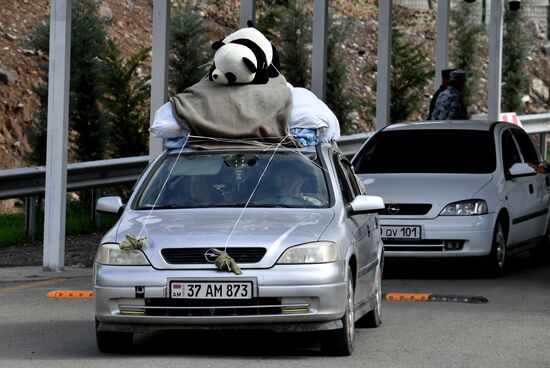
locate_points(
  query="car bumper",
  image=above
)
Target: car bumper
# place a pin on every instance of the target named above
(286, 297)
(440, 236)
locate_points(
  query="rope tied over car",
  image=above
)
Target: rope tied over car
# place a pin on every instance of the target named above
(225, 262)
(133, 242)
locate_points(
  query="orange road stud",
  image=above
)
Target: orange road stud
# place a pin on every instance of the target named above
(70, 294)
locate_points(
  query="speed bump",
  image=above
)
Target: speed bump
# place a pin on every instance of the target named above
(426, 297)
(70, 294)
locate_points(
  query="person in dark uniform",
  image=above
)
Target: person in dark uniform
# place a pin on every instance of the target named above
(445, 79)
(450, 103)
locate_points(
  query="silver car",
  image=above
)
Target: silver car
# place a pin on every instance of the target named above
(458, 189)
(302, 236)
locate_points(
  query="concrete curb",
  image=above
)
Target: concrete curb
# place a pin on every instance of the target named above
(33, 273)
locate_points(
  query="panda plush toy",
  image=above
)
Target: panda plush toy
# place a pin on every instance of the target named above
(245, 56)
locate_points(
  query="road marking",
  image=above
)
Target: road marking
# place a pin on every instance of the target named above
(33, 284)
(70, 294)
(426, 297)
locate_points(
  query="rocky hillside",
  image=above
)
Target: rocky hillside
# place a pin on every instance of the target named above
(132, 26)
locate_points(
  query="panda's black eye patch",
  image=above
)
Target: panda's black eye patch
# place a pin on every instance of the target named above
(231, 78)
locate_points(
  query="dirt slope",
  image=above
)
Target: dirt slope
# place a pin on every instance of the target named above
(132, 27)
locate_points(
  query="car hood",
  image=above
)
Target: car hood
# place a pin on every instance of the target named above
(273, 229)
(435, 189)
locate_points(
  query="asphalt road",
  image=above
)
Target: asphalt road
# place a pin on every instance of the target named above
(511, 330)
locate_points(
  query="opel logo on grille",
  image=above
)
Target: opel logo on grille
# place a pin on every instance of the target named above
(210, 255)
(393, 209)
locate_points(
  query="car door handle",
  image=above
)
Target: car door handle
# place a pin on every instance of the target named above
(530, 188)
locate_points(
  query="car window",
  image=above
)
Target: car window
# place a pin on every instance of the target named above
(526, 147)
(510, 153)
(347, 179)
(428, 151)
(256, 179)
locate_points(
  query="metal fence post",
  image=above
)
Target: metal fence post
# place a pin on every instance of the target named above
(96, 193)
(30, 217)
(543, 146)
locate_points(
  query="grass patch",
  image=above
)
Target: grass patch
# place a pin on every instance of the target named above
(78, 221)
(12, 228)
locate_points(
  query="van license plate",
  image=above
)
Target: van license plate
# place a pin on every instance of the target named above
(210, 290)
(400, 232)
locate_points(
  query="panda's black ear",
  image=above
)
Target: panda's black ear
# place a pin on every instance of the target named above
(250, 23)
(216, 45)
(211, 70)
(250, 65)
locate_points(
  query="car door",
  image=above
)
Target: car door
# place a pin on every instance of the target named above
(361, 226)
(516, 191)
(538, 186)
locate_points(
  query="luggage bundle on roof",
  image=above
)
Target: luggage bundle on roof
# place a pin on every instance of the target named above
(244, 97)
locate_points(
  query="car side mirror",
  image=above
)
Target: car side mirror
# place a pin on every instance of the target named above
(110, 205)
(520, 169)
(366, 204)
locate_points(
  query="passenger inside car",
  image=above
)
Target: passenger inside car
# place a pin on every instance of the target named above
(288, 180)
(190, 191)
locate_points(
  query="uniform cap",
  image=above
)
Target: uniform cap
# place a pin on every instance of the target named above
(458, 74)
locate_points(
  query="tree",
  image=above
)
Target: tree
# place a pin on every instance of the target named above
(188, 47)
(296, 35)
(338, 98)
(514, 53)
(37, 131)
(468, 35)
(86, 120)
(126, 101)
(410, 72)
(88, 39)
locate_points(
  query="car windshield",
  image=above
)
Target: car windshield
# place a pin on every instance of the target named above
(428, 151)
(261, 179)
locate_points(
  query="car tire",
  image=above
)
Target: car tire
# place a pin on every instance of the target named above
(498, 257)
(541, 253)
(113, 341)
(340, 342)
(373, 318)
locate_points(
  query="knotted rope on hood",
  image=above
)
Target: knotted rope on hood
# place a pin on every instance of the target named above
(225, 262)
(133, 242)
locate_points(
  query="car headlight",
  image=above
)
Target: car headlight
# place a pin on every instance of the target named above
(317, 252)
(465, 208)
(111, 254)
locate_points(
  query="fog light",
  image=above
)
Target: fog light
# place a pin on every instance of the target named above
(454, 244)
(135, 312)
(290, 310)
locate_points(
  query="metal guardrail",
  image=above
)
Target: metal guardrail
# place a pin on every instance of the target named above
(17, 183)
(24, 182)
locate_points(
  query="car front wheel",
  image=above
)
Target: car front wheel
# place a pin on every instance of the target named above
(340, 342)
(113, 341)
(497, 259)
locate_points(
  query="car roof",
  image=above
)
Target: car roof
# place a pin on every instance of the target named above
(447, 124)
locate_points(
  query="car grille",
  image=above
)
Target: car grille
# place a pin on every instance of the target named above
(196, 255)
(426, 245)
(400, 209)
(213, 308)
